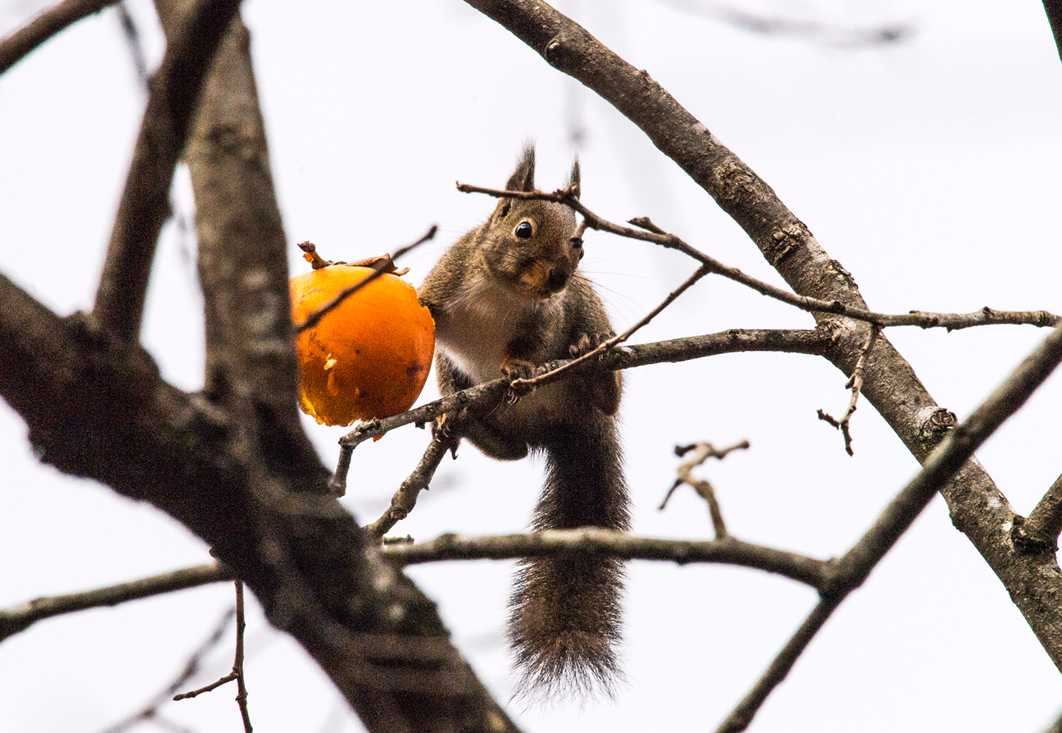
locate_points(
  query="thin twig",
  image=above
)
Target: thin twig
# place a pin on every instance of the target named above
(19, 618)
(405, 497)
(150, 711)
(811, 30)
(382, 267)
(1039, 533)
(144, 205)
(53, 20)
(237, 673)
(849, 572)
(855, 384)
(225, 679)
(521, 386)
(649, 232)
(701, 453)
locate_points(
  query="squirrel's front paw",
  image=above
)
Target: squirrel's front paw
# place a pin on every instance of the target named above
(513, 369)
(588, 342)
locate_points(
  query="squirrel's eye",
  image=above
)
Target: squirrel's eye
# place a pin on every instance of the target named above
(524, 230)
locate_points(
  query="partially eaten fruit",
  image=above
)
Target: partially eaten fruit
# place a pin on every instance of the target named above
(367, 358)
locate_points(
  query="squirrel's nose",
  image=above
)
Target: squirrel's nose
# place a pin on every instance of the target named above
(558, 277)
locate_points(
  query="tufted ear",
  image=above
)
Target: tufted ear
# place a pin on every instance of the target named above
(573, 182)
(523, 178)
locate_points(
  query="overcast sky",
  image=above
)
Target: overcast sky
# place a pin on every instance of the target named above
(928, 168)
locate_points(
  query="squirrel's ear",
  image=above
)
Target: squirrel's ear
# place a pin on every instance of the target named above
(523, 178)
(573, 182)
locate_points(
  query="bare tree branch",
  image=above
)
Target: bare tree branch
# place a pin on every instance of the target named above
(450, 547)
(674, 350)
(145, 199)
(99, 409)
(19, 618)
(849, 572)
(1039, 533)
(768, 25)
(649, 232)
(52, 21)
(252, 375)
(617, 544)
(978, 508)
(524, 385)
(237, 673)
(405, 498)
(701, 453)
(855, 384)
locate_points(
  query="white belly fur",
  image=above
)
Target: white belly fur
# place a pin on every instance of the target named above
(477, 333)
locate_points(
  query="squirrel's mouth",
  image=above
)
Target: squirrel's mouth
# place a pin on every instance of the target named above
(543, 280)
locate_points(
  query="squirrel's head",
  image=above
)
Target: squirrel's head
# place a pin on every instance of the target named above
(533, 244)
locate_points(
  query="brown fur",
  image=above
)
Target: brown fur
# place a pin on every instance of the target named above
(503, 303)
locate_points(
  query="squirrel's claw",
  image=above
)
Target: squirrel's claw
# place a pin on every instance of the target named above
(588, 342)
(513, 369)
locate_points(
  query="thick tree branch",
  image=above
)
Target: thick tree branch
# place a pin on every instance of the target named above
(311, 546)
(849, 572)
(145, 199)
(977, 507)
(99, 409)
(52, 21)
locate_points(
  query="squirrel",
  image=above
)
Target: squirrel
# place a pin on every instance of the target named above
(506, 298)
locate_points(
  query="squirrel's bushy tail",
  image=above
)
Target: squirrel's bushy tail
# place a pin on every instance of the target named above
(565, 611)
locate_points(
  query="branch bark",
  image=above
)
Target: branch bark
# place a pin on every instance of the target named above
(21, 617)
(849, 572)
(1039, 533)
(977, 507)
(144, 205)
(449, 547)
(650, 232)
(14, 47)
(99, 409)
(796, 341)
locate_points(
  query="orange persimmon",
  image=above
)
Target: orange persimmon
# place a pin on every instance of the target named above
(367, 358)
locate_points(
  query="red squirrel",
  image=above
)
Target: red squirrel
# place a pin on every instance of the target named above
(507, 297)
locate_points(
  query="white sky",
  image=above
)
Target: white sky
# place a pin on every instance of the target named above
(929, 169)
